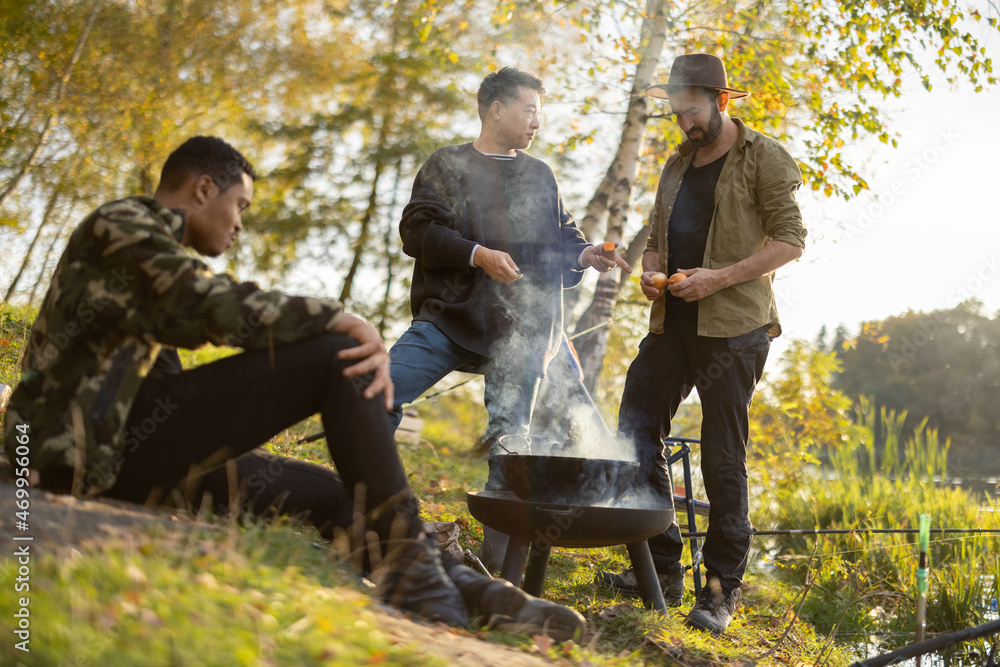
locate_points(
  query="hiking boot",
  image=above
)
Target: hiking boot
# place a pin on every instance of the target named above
(413, 578)
(714, 608)
(626, 585)
(499, 605)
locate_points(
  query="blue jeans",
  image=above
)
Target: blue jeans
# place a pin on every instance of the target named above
(423, 355)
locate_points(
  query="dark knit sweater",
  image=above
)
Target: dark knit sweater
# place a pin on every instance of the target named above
(462, 197)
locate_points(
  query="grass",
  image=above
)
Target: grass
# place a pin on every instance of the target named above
(250, 594)
(621, 627)
(186, 596)
(15, 322)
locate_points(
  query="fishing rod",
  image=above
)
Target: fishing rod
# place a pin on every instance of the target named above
(931, 645)
(876, 531)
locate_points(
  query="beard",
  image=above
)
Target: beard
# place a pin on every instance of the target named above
(711, 133)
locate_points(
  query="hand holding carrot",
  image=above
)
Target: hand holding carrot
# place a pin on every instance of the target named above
(604, 257)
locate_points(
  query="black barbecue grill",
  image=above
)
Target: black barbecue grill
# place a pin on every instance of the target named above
(535, 527)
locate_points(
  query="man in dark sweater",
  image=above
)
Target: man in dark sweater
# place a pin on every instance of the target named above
(494, 247)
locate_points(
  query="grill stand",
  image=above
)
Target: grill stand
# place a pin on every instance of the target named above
(535, 529)
(521, 552)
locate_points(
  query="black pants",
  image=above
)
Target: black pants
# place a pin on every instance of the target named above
(725, 371)
(183, 428)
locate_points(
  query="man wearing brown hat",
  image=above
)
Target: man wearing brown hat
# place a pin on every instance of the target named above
(726, 217)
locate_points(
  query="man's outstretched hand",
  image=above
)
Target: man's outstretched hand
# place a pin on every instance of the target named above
(604, 257)
(372, 354)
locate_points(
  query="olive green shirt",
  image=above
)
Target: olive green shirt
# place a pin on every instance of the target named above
(754, 204)
(124, 288)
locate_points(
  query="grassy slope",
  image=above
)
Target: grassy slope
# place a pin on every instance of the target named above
(261, 596)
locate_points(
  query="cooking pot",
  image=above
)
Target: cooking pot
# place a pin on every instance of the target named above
(567, 479)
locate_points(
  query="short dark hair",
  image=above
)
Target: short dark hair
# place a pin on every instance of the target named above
(205, 155)
(505, 85)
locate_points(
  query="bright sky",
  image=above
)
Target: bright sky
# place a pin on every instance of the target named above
(927, 234)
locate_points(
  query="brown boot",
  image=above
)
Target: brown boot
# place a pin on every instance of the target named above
(414, 579)
(499, 605)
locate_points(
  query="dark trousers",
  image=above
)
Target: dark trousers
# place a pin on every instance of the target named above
(184, 427)
(725, 371)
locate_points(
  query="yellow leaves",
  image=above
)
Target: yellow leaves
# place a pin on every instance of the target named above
(503, 13)
(871, 332)
(453, 57)
(463, 25)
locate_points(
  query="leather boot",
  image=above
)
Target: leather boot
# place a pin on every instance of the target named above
(499, 605)
(414, 579)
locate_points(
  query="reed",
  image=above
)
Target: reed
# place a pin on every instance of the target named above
(865, 585)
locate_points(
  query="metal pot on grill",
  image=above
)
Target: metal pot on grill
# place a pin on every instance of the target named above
(561, 479)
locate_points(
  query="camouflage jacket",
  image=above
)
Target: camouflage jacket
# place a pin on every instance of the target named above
(124, 288)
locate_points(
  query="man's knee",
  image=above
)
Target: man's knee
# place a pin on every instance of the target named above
(324, 351)
(333, 343)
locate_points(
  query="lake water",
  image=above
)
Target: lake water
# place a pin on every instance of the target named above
(985, 487)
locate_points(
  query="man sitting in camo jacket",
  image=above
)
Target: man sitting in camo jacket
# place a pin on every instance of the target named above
(107, 410)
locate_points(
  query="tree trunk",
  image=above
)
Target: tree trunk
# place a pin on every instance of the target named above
(634, 250)
(384, 86)
(598, 315)
(47, 128)
(590, 346)
(390, 256)
(31, 246)
(615, 192)
(44, 270)
(366, 222)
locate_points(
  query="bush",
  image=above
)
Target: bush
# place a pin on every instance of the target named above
(863, 583)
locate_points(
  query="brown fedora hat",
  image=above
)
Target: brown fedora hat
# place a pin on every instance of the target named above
(696, 69)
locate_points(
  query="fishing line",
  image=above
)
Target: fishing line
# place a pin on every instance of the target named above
(595, 327)
(881, 546)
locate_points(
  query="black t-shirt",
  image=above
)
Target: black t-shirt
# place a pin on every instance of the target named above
(687, 230)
